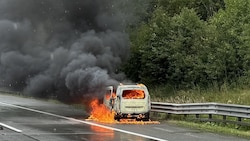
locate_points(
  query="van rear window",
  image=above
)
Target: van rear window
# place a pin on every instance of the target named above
(133, 94)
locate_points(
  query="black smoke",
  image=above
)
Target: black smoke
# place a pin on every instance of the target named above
(62, 48)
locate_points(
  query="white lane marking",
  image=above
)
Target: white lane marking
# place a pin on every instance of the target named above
(85, 122)
(9, 127)
(190, 134)
(166, 130)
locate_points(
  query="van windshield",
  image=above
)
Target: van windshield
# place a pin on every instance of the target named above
(133, 94)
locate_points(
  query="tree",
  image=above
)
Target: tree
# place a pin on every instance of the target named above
(204, 8)
(232, 43)
(139, 38)
(177, 46)
(170, 48)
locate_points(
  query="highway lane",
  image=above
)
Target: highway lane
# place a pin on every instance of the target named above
(40, 127)
(40, 120)
(36, 125)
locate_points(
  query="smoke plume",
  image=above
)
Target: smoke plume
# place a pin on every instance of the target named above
(62, 48)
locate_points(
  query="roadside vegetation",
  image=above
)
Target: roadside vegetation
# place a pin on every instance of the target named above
(226, 94)
(194, 51)
(213, 127)
(185, 45)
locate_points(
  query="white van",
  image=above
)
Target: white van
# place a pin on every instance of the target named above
(129, 101)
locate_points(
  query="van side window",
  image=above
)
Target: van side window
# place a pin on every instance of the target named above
(133, 94)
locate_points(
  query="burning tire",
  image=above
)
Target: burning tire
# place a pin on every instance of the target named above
(117, 117)
(144, 117)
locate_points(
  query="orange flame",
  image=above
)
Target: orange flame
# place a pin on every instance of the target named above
(133, 94)
(101, 113)
(108, 95)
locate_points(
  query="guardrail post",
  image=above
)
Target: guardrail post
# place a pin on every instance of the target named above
(224, 121)
(239, 119)
(210, 116)
(224, 117)
(168, 115)
(197, 116)
(185, 116)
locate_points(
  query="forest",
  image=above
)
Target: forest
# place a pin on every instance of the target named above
(188, 44)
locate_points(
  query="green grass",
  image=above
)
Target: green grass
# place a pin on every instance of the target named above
(208, 126)
(214, 127)
(225, 94)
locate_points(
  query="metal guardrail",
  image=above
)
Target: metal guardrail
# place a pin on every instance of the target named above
(232, 110)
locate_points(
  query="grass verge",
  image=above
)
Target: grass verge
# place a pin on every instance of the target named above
(225, 94)
(208, 126)
(213, 127)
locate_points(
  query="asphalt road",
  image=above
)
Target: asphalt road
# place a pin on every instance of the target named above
(25, 119)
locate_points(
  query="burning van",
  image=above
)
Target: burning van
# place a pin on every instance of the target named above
(128, 101)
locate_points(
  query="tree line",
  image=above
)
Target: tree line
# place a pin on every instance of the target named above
(191, 43)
